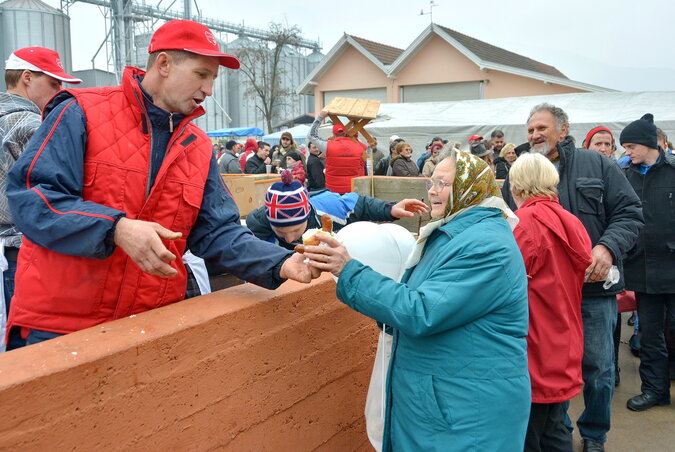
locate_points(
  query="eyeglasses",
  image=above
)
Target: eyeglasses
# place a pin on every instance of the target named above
(438, 184)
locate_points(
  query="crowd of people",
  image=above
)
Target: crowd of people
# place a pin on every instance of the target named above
(507, 309)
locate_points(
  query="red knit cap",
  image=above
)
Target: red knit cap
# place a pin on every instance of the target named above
(589, 136)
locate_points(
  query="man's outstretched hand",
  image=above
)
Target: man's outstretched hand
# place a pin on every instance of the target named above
(296, 269)
(408, 208)
(142, 241)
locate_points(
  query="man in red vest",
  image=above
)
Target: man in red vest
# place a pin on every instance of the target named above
(114, 187)
(344, 156)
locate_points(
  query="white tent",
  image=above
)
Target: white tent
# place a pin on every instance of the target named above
(299, 135)
(417, 123)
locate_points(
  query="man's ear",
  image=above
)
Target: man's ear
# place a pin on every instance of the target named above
(26, 77)
(163, 63)
(564, 130)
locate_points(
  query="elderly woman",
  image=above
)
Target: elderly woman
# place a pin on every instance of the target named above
(458, 375)
(402, 165)
(506, 158)
(557, 251)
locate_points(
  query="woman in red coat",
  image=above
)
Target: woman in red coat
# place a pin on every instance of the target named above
(557, 251)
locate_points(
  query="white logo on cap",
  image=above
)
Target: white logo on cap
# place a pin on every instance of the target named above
(58, 63)
(210, 37)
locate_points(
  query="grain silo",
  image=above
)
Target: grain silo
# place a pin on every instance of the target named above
(27, 23)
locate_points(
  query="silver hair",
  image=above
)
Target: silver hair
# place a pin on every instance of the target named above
(448, 151)
(558, 113)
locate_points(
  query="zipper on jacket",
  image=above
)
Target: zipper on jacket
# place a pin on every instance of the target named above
(170, 122)
(146, 116)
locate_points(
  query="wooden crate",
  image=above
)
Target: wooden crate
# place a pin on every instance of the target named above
(390, 188)
(248, 190)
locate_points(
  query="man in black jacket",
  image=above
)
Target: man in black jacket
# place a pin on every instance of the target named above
(316, 180)
(258, 162)
(649, 265)
(594, 190)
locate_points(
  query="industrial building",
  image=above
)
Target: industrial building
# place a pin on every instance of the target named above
(25, 23)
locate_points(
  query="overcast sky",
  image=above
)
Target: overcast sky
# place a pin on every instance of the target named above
(616, 44)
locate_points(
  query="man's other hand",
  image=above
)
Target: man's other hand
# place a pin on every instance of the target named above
(142, 241)
(296, 269)
(408, 208)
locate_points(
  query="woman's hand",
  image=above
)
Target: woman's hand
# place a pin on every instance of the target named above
(408, 208)
(331, 258)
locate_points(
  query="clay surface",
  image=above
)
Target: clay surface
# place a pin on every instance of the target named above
(239, 369)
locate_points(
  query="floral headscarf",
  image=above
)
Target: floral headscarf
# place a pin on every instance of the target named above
(474, 182)
(474, 186)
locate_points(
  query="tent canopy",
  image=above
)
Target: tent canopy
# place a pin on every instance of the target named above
(299, 135)
(417, 123)
(236, 132)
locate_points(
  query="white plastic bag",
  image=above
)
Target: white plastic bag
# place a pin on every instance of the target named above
(613, 277)
(377, 391)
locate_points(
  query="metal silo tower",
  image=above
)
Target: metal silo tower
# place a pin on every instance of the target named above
(27, 23)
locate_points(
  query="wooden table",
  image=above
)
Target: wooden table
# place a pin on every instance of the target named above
(359, 112)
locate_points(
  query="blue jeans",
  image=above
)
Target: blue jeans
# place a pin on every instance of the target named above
(599, 318)
(15, 340)
(37, 336)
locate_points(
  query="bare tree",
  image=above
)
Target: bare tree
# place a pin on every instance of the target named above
(261, 62)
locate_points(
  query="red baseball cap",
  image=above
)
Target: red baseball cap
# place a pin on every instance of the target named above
(338, 128)
(39, 59)
(191, 37)
(475, 137)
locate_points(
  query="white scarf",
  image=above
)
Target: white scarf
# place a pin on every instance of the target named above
(494, 202)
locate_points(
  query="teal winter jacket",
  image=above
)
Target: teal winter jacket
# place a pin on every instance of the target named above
(458, 378)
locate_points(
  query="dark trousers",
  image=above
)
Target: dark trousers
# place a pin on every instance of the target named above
(654, 310)
(546, 430)
(15, 340)
(617, 341)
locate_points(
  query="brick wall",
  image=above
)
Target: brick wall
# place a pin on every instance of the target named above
(240, 369)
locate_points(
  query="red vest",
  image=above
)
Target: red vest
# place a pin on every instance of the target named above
(344, 162)
(63, 293)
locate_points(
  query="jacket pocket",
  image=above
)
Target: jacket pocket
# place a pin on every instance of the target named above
(670, 245)
(190, 205)
(435, 403)
(590, 195)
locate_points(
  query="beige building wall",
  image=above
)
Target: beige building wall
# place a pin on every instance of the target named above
(503, 84)
(436, 62)
(352, 70)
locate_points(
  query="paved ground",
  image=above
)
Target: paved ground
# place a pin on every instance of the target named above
(651, 430)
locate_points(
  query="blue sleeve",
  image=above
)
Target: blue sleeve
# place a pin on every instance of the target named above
(372, 209)
(219, 237)
(44, 189)
(454, 294)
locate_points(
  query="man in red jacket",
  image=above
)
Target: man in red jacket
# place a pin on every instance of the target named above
(117, 183)
(557, 251)
(344, 156)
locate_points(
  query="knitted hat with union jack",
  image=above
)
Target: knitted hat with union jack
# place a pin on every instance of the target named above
(286, 202)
